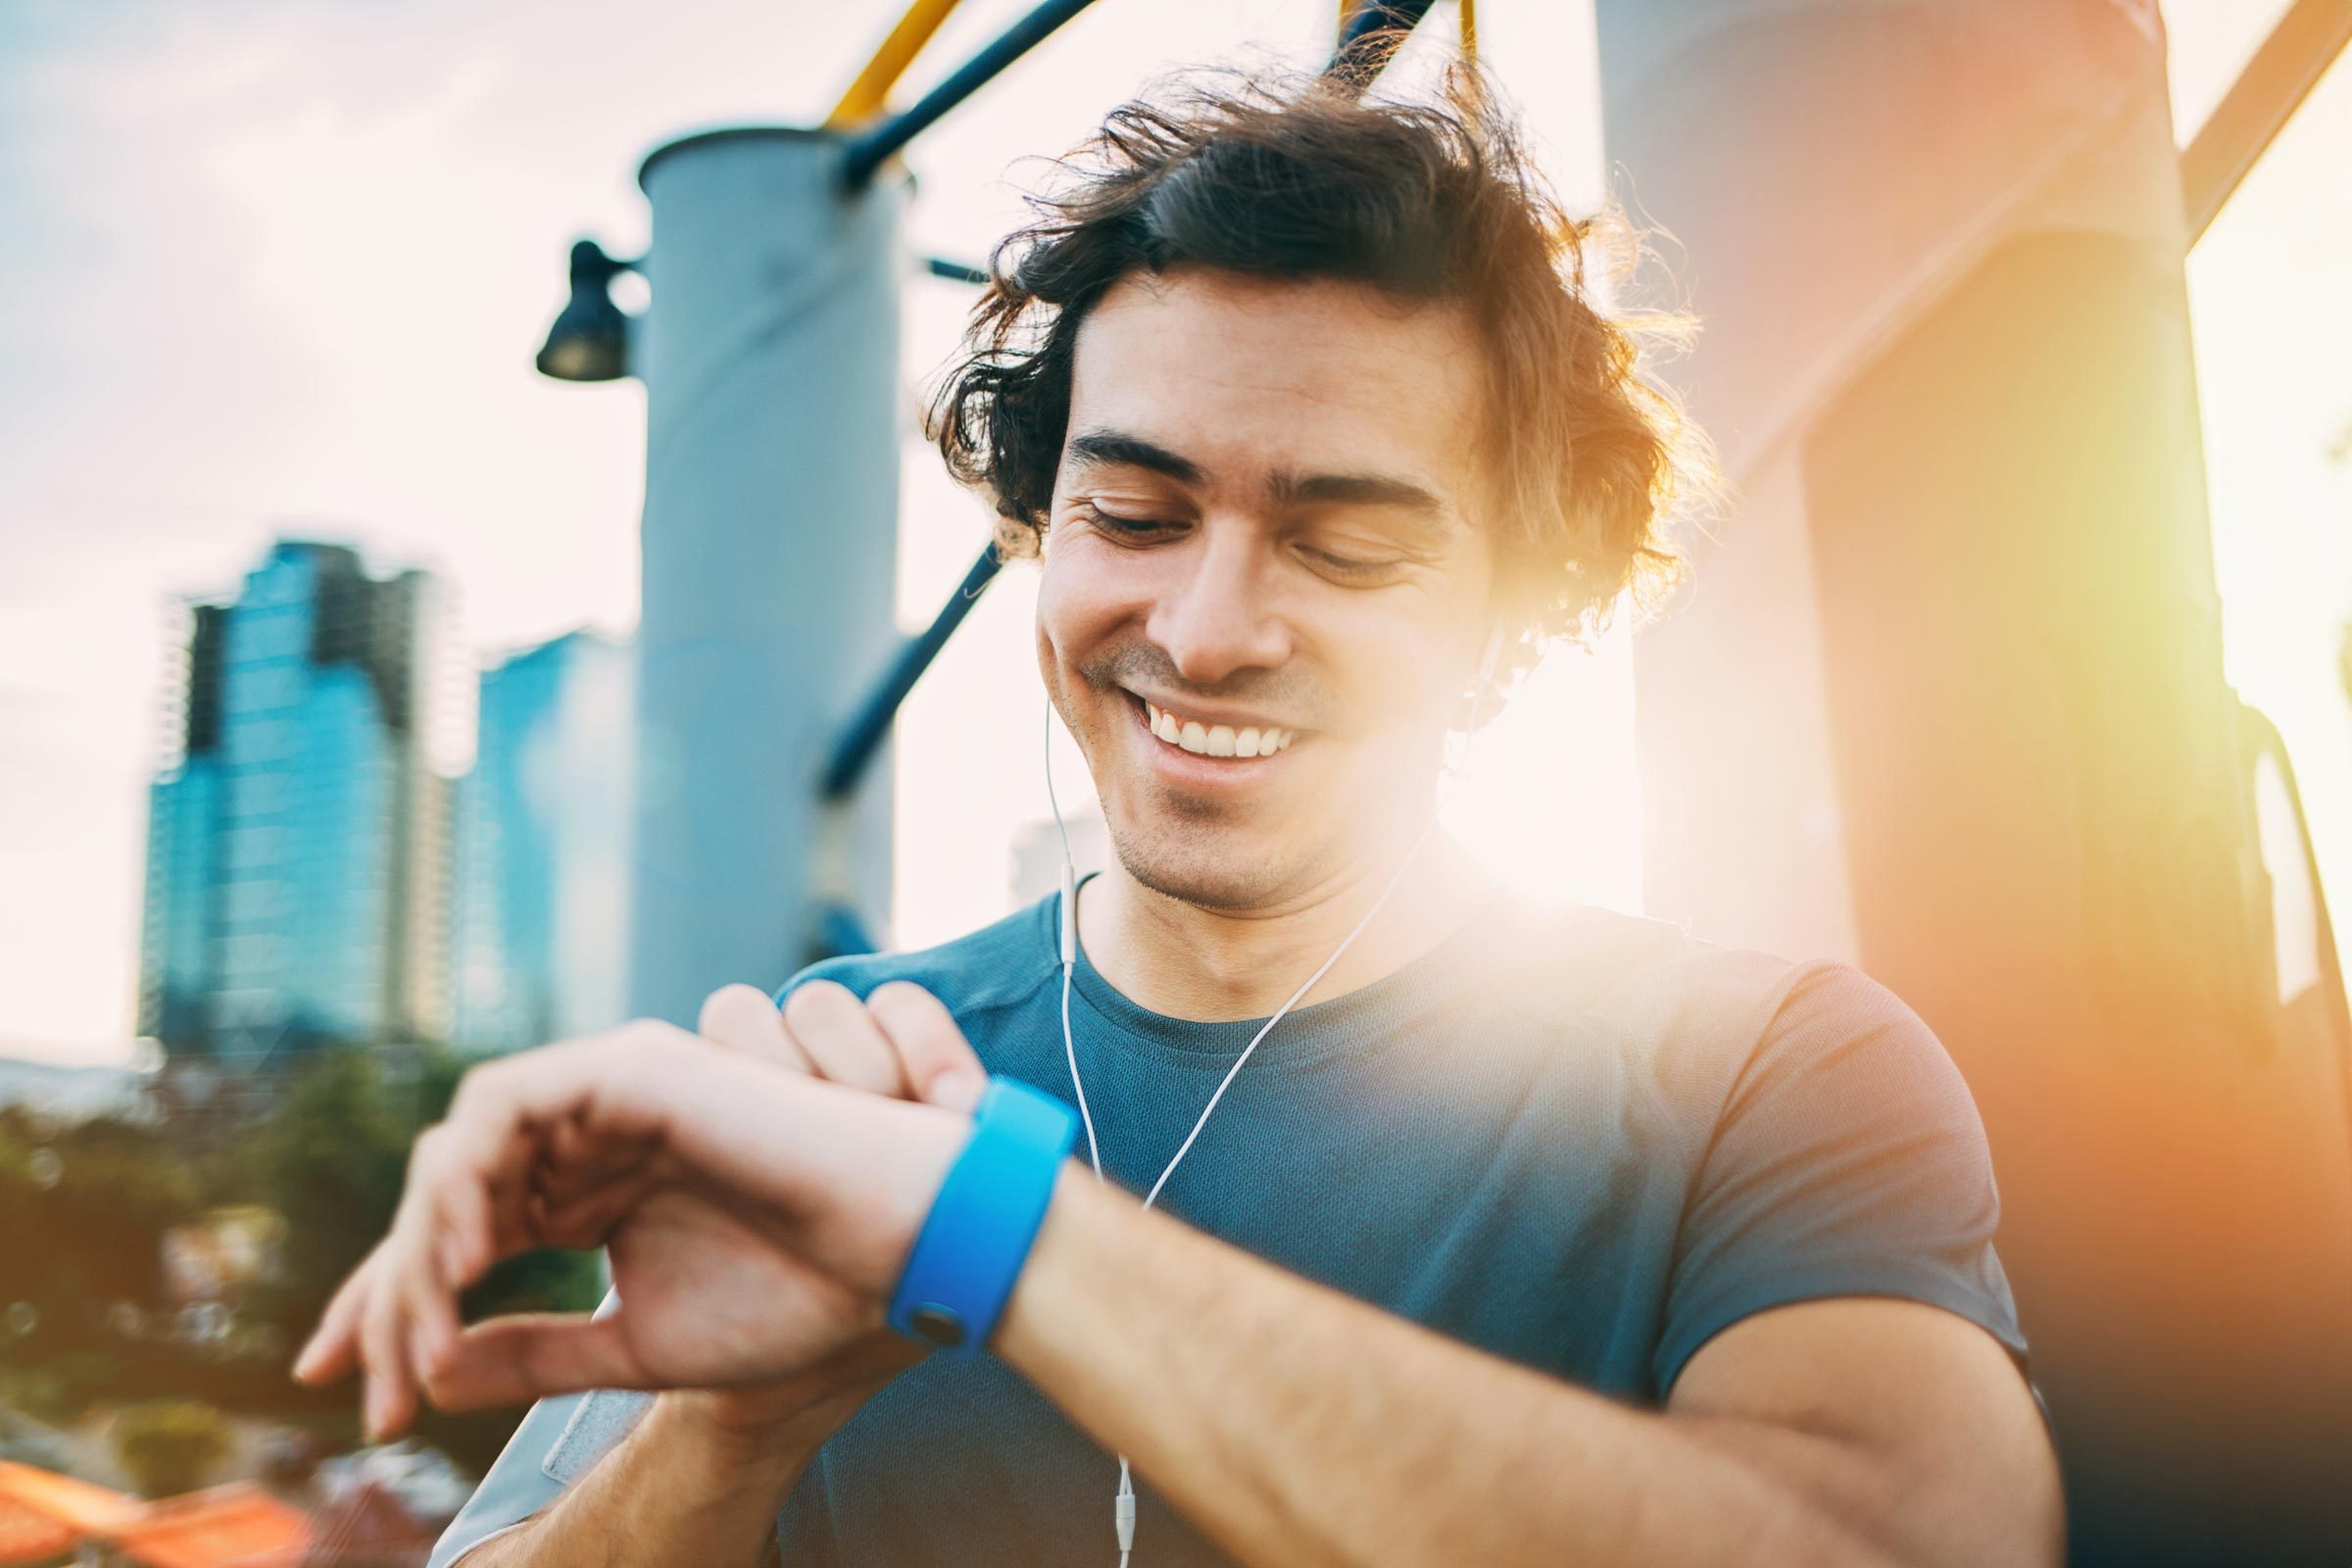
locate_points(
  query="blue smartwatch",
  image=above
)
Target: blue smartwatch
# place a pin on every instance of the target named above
(988, 1210)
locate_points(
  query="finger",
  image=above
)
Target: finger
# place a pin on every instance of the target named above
(583, 1214)
(744, 1018)
(334, 1345)
(534, 1355)
(414, 1324)
(842, 1038)
(577, 1163)
(385, 1394)
(940, 1065)
(429, 1290)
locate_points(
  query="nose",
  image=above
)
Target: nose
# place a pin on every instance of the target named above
(1216, 618)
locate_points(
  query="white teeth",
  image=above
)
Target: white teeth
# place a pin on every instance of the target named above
(1221, 740)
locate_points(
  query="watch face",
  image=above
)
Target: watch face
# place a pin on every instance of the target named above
(938, 1324)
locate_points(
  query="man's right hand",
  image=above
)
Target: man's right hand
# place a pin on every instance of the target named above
(902, 1054)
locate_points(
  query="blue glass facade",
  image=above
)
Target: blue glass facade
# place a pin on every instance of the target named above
(292, 850)
(543, 825)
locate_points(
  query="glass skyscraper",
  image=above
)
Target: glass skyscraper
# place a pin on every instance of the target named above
(543, 858)
(297, 862)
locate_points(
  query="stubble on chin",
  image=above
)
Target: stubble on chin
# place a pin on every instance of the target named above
(1184, 855)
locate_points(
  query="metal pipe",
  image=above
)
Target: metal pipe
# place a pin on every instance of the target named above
(866, 95)
(840, 931)
(862, 737)
(867, 149)
(1366, 48)
(2258, 105)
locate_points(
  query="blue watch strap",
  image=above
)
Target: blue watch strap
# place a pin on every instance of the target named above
(987, 1211)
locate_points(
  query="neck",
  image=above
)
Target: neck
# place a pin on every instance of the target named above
(1216, 965)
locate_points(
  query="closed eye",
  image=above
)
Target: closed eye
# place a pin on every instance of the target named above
(1113, 523)
(1348, 568)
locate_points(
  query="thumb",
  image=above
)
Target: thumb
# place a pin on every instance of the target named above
(941, 1066)
(533, 1356)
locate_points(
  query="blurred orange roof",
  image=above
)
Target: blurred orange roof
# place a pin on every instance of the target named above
(77, 1506)
(236, 1525)
(30, 1537)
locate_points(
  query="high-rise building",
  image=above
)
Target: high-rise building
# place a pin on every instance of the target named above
(297, 857)
(543, 848)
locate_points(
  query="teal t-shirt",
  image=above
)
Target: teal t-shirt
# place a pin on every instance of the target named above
(1579, 1139)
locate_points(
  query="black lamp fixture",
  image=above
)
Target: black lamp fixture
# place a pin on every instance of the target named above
(590, 340)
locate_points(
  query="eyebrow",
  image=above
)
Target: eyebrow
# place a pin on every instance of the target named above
(1116, 448)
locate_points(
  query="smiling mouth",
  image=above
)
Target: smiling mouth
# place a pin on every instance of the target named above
(1200, 738)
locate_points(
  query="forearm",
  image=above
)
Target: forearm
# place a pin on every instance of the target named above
(1294, 1425)
(681, 1490)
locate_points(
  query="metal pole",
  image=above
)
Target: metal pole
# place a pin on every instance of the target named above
(866, 95)
(1374, 32)
(868, 727)
(770, 359)
(2264, 98)
(867, 149)
(955, 272)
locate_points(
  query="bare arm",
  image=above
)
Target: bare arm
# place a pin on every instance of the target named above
(1297, 1426)
(1293, 1424)
(685, 1489)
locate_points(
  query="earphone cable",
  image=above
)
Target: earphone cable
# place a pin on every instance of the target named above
(1123, 1502)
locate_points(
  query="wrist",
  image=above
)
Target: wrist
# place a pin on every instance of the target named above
(753, 1430)
(976, 1237)
(1044, 1317)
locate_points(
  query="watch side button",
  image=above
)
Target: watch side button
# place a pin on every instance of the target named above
(940, 1325)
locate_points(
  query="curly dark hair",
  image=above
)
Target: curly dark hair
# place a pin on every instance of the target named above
(1282, 175)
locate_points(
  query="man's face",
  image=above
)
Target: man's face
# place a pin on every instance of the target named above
(1260, 533)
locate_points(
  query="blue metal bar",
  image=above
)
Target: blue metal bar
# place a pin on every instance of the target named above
(862, 736)
(841, 931)
(1362, 54)
(867, 149)
(955, 272)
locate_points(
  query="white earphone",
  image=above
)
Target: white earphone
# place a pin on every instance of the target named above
(1123, 1502)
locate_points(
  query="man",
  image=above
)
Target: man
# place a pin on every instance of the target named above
(1527, 1236)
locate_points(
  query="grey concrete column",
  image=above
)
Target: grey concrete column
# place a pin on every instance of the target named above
(771, 359)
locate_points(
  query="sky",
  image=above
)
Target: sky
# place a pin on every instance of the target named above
(278, 267)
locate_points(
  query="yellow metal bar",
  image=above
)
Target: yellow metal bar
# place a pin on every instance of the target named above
(1469, 9)
(871, 89)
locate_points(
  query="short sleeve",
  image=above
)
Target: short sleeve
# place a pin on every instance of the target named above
(1849, 1159)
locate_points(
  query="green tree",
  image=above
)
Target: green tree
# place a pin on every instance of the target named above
(171, 1445)
(89, 1204)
